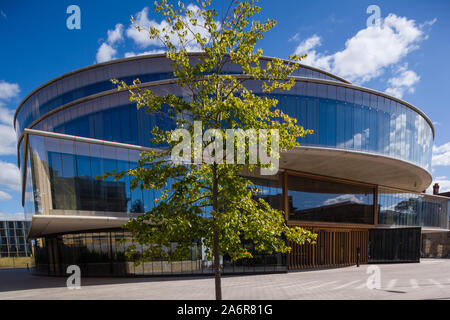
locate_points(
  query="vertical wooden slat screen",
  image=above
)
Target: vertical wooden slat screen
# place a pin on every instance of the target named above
(334, 247)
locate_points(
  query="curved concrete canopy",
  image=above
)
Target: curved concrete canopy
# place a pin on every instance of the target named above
(42, 225)
(357, 166)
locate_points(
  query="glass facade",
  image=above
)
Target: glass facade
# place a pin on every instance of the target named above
(341, 118)
(13, 239)
(329, 201)
(103, 253)
(270, 191)
(61, 174)
(65, 180)
(401, 208)
(92, 81)
(347, 118)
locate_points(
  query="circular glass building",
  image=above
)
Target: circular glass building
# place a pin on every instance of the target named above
(358, 177)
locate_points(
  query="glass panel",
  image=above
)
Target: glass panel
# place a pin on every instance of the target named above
(316, 200)
(409, 209)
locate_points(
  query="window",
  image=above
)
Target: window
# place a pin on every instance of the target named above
(328, 201)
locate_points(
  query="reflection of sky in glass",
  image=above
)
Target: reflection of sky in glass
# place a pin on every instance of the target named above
(308, 200)
(340, 118)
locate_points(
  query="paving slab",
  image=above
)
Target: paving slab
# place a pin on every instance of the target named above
(429, 279)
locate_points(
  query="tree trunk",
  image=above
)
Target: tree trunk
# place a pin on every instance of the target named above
(217, 264)
(216, 237)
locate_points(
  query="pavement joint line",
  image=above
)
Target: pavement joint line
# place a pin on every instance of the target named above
(321, 285)
(296, 285)
(435, 283)
(284, 286)
(346, 285)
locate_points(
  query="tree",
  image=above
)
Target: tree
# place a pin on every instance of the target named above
(212, 200)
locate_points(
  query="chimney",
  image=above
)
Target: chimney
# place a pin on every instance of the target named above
(436, 188)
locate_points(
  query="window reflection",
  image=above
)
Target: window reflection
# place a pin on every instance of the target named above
(13, 239)
(410, 209)
(316, 200)
(340, 117)
(103, 253)
(269, 190)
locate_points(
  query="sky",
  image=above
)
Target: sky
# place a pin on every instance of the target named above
(405, 56)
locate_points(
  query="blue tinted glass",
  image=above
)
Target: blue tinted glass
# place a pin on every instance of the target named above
(340, 132)
(312, 121)
(349, 132)
(357, 126)
(331, 123)
(322, 129)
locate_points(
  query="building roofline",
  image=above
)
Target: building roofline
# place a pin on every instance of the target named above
(158, 55)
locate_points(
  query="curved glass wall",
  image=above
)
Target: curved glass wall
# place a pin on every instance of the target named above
(62, 179)
(96, 80)
(329, 201)
(341, 117)
(401, 208)
(103, 253)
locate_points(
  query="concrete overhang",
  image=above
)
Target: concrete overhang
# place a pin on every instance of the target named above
(433, 230)
(424, 229)
(357, 166)
(42, 225)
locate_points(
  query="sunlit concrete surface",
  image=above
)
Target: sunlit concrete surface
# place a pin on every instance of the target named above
(428, 280)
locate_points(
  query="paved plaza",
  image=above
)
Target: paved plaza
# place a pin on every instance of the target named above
(429, 279)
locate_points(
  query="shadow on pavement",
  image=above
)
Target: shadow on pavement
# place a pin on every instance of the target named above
(22, 279)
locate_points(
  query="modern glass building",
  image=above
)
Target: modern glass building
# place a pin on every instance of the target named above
(361, 173)
(13, 239)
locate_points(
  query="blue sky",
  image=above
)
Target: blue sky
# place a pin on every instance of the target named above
(406, 57)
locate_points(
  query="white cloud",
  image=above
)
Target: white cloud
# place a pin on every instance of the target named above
(9, 176)
(142, 39)
(107, 50)
(441, 155)
(11, 216)
(7, 140)
(8, 90)
(429, 22)
(6, 115)
(403, 81)
(4, 196)
(105, 53)
(115, 35)
(7, 133)
(369, 51)
(295, 37)
(308, 44)
(342, 198)
(3, 14)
